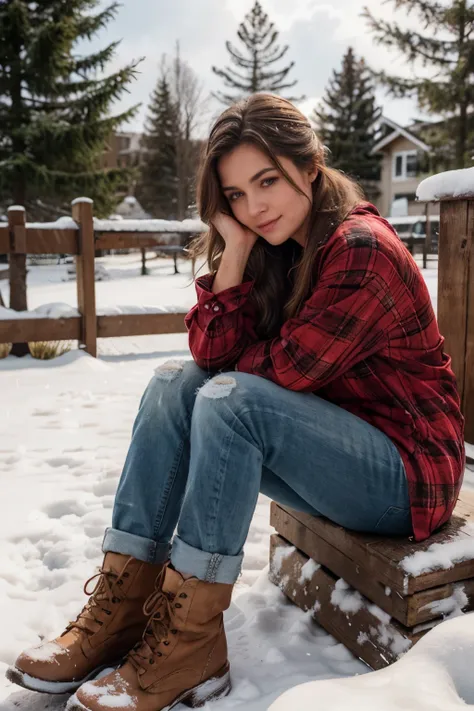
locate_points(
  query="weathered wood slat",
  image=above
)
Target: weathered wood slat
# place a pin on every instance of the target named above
(367, 633)
(453, 283)
(410, 610)
(140, 324)
(51, 241)
(40, 329)
(381, 556)
(130, 240)
(4, 239)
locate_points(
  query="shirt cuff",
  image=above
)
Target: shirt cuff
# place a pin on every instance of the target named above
(225, 301)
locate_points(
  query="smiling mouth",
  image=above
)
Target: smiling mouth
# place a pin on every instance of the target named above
(268, 225)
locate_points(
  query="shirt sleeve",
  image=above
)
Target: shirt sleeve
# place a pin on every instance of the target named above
(220, 325)
(346, 319)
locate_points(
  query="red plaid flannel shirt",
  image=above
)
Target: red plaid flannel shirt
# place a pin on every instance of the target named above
(367, 340)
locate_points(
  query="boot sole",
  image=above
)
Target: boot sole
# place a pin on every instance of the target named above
(210, 690)
(32, 683)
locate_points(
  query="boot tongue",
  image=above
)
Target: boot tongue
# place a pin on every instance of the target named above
(172, 582)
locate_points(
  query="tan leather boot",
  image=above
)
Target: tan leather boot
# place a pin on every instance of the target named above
(109, 626)
(182, 657)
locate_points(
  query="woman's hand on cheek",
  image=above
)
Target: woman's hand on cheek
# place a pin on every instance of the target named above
(233, 232)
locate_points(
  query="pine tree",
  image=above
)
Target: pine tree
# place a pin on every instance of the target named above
(258, 35)
(347, 123)
(446, 50)
(157, 186)
(55, 104)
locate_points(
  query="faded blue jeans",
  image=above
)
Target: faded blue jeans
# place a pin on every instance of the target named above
(204, 446)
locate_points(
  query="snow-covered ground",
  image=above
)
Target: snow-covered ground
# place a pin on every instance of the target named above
(65, 430)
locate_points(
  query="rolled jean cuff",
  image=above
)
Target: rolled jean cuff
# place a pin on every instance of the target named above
(144, 549)
(210, 567)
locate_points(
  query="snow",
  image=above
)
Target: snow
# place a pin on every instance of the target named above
(82, 199)
(452, 184)
(66, 427)
(54, 310)
(149, 225)
(441, 555)
(16, 208)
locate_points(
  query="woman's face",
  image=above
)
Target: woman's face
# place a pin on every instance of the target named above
(259, 194)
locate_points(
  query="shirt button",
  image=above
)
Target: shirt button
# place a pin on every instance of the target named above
(216, 308)
(206, 306)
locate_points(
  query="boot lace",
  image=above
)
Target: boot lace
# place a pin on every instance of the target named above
(102, 597)
(159, 608)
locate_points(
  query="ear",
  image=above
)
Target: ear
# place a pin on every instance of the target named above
(313, 174)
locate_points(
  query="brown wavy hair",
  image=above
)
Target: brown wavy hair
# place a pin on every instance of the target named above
(284, 275)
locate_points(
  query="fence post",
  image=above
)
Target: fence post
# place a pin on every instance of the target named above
(18, 299)
(456, 296)
(82, 213)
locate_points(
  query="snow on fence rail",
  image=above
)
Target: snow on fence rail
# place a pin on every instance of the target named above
(81, 235)
(455, 192)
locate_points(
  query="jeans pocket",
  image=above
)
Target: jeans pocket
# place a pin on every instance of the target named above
(395, 522)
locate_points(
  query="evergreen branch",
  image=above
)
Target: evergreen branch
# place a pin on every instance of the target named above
(412, 44)
(86, 26)
(429, 11)
(97, 60)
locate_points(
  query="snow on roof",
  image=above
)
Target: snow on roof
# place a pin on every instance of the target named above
(452, 184)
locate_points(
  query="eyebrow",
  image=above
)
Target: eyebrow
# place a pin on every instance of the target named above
(253, 179)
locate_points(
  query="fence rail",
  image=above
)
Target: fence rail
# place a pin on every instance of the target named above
(82, 240)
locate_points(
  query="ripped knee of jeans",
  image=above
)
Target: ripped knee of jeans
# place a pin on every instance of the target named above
(170, 370)
(219, 386)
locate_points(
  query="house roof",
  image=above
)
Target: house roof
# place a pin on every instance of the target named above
(397, 132)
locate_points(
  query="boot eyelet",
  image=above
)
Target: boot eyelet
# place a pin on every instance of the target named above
(166, 643)
(183, 595)
(107, 612)
(115, 599)
(174, 631)
(126, 575)
(178, 605)
(120, 582)
(151, 661)
(159, 654)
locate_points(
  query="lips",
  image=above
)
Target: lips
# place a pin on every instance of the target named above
(269, 224)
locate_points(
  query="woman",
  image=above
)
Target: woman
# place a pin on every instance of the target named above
(334, 396)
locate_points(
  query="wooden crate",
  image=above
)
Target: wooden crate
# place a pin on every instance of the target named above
(395, 607)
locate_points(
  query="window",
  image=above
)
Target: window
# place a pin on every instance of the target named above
(405, 165)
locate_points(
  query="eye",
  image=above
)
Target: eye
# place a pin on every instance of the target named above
(234, 196)
(268, 181)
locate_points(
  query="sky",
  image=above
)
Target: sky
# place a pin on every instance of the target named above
(318, 34)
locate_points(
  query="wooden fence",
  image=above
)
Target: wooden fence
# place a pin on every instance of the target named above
(456, 295)
(81, 239)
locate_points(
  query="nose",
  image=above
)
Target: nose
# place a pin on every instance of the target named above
(256, 205)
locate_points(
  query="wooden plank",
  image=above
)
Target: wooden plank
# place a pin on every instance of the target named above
(140, 324)
(134, 240)
(39, 241)
(85, 274)
(366, 631)
(468, 395)
(453, 279)
(410, 610)
(40, 329)
(4, 239)
(382, 556)
(17, 260)
(19, 239)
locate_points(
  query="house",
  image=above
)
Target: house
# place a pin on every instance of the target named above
(405, 162)
(123, 150)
